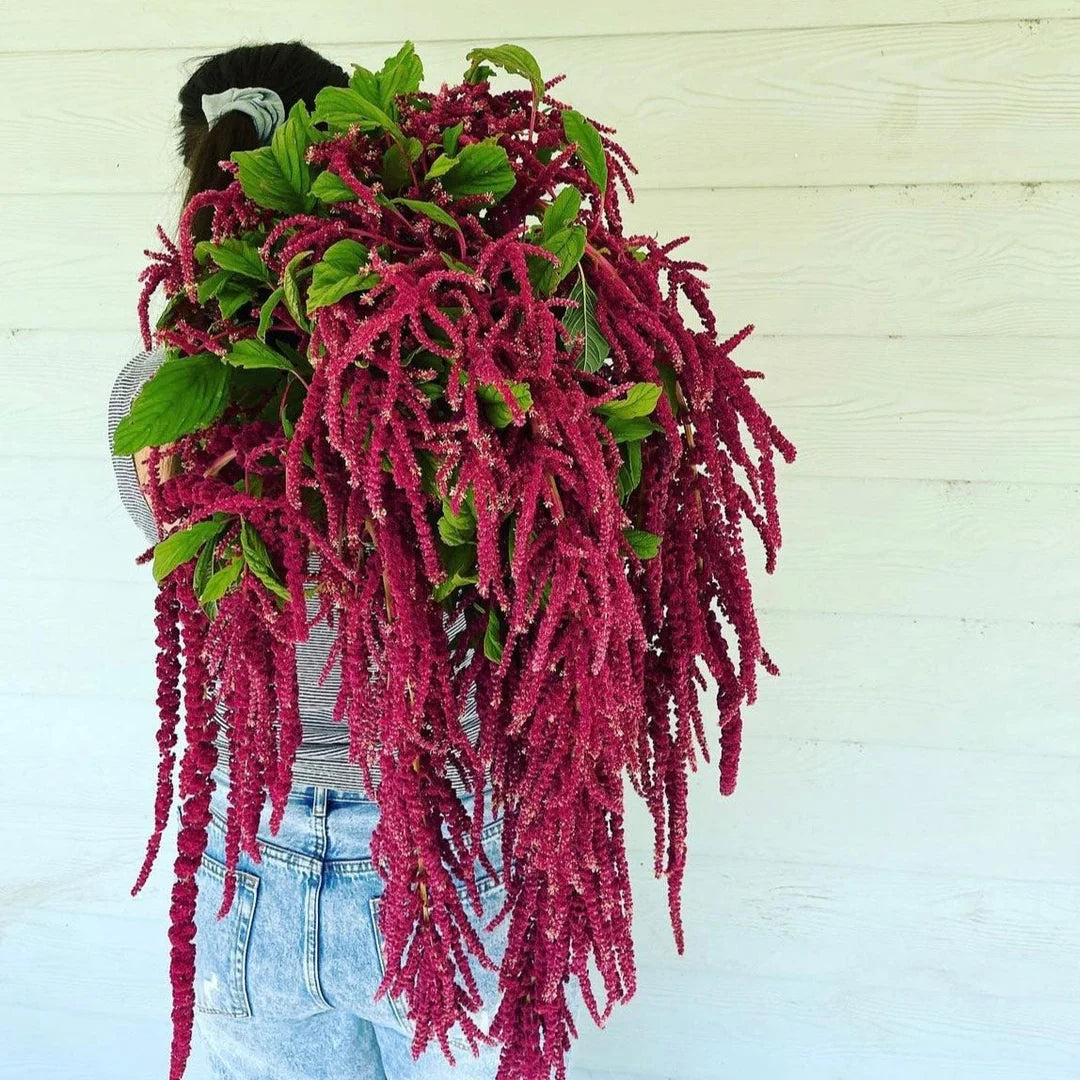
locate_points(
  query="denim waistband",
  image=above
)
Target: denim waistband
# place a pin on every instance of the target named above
(325, 823)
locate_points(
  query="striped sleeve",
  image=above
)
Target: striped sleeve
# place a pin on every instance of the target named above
(125, 388)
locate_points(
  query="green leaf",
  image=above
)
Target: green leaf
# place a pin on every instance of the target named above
(328, 187)
(234, 296)
(400, 74)
(278, 176)
(219, 583)
(589, 147)
(252, 353)
(450, 138)
(670, 381)
(346, 255)
(493, 637)
(395, 168)
(569, 245)
(481, 167)
(495, 406)
(204, 568)
(459, 562)
(582, 321)
(440, 167)
(639, 400)
(178, 547)
(235, 255)
(479, 74)
(630, 471)
(511, 58)
(644, 544)
(429, 209)
(266, 312)
(338, 274)
(456, 264)
(636, 427)
(459, 528)
(562, 211)
(291, 288)
(340, 107)
(186, 393)
(258, 560)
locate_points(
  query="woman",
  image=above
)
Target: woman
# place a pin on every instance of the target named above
(284, 982)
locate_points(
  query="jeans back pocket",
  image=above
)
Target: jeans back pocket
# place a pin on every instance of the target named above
(221, 945)
(492, 890)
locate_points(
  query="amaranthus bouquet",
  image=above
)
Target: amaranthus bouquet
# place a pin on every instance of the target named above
(418, 354)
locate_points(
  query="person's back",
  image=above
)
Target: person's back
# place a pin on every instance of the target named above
(323, 755)
(287, 967)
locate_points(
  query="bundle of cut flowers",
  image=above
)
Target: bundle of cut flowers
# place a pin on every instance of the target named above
(418, 352)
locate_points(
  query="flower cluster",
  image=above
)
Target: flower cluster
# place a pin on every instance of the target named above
(418, 370)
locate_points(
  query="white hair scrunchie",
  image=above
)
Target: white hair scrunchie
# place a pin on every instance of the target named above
(263, 105)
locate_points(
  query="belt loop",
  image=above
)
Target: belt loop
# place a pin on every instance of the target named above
(318, 806)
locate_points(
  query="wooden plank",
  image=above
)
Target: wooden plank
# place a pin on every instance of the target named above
(901, 809)
(942, 408)
(867, 547)
(949, 684)
(904, 408)
(870, 104)
(1008, 687)
(698, 1027)
(996, 260)
(205, 27)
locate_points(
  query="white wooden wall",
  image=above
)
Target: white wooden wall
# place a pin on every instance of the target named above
(890, 192)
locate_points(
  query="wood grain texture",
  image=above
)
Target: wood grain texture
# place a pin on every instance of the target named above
(981, 409)
(859, 546)
(935, 260)
(204, 25)
(861, 105)
(890, 193)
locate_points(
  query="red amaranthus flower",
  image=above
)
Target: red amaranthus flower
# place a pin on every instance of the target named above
(419, 346)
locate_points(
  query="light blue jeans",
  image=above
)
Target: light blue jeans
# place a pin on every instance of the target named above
(284, 982)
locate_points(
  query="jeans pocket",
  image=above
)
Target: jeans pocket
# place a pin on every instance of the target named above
(492, 890)
(221, 945)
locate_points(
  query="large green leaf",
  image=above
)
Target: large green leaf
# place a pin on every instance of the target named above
(339, 273)
(291, 288)
(511, 58)
(180, 546)
(645, 544)
(561, 212)
(459, 528)
(257, 557)
(589, 147)
(233, 254)
(481, 167)
(429, 209)
(340, 107)
(582, 321)
(630, 471)
(636, 427)
(253, 353)
(218, 584)
(494, 636)
(568, 245)
(639, 400)
(495, 407)
(328, 187)
(186, 393)
(278, 176)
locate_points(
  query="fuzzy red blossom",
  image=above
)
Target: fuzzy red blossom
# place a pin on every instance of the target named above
(378, 428)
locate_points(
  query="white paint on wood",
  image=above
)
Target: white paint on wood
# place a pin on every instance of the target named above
(892, 891)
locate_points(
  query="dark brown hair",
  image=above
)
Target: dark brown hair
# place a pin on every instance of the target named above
(290, 68)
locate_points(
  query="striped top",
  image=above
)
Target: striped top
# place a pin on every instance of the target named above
(323, 754)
